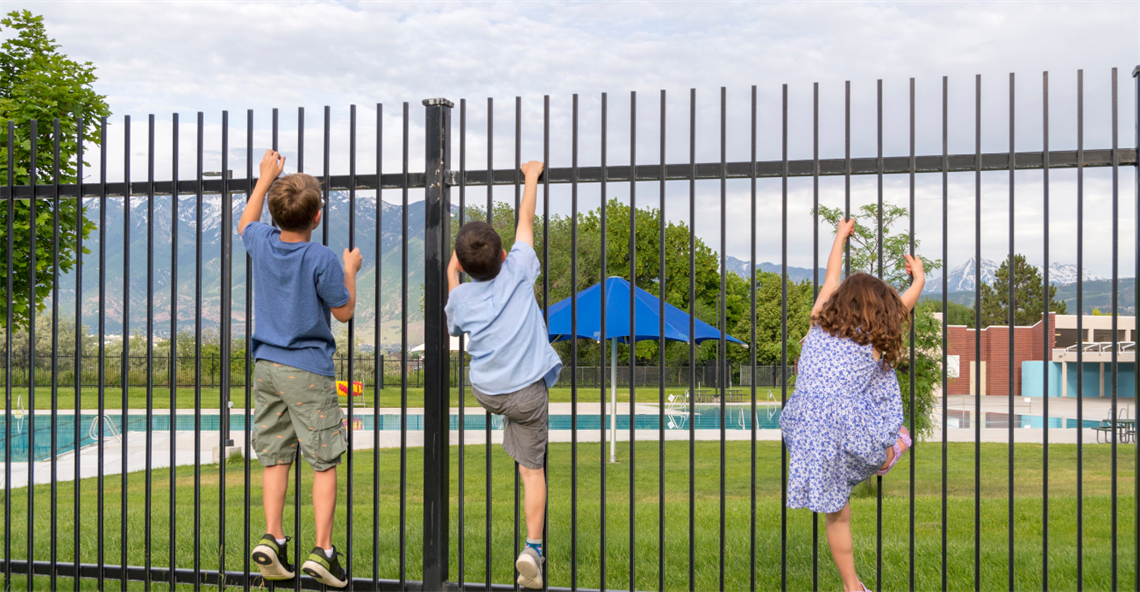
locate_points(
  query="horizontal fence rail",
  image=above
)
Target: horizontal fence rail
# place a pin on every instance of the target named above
(666, 469)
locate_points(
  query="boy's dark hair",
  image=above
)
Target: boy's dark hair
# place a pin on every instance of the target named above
(294, 201)
(479, 249)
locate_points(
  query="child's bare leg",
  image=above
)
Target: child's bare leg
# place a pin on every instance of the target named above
(324, 502)
(534, 492)
(274, 483)
(842, 550)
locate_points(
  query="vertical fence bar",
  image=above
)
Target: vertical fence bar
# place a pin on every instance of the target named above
(124, 373)
(403, 358)
(437, 413)
(752, 352)
(379, 358)
(1012, 313)
(632, 339)
(325, 182)
(8, 360)
(149, 343)
(102, 333)
(487, 416)
(55, 354)
(248, 325)
(80, 217)
(461, 579)
(661, 292)
(976, 372)
(546, 314)
(602, 363)
(783, 333)
(573, 346)
(814, 290)
(692, 331)
(1047, 330)
(198, 360)
(518, 177)
(912, 337)
(879, 260)
(33, 263)
(1115, 317)
(1136, 383)
(945, 316)
(224, 349)
(172, 541)
(846, 175)
(1080, 326)
(351, 428)
(722, 320)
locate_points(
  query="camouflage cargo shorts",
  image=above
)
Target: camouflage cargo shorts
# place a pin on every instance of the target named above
(295, 408)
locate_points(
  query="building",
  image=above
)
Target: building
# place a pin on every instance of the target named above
(1031, 364)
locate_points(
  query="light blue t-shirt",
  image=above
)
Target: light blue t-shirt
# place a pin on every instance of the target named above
(506, 335)
(294, 285)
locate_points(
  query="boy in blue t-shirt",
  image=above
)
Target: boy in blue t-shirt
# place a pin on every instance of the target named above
(512, 362)
(297, 285)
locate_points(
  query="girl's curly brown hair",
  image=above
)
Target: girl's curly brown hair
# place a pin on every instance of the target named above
(865, 309)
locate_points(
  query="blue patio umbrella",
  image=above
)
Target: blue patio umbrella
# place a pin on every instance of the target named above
(647, 319)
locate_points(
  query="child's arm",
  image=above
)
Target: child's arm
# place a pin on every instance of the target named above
(525, 230)
(271, 165)
(834, 264)
(453, 270)
(352, 262)
(917, 281)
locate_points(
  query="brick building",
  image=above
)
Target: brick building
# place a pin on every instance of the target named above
(1028, 345)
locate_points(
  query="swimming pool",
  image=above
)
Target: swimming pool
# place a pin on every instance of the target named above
(706, 417)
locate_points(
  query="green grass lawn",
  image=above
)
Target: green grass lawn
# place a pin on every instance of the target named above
(389, 397)
(384, 497)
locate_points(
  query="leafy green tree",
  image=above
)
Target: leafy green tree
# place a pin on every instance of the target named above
(927, 342)
(39, 83)
(1027, 294)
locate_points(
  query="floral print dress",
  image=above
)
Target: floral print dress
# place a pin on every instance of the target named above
(845, 412)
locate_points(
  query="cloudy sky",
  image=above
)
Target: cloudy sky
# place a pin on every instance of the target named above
(166, 57)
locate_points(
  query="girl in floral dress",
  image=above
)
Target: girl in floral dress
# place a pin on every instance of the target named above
(843, 423)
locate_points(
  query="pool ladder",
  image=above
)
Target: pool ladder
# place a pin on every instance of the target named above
(93, 431)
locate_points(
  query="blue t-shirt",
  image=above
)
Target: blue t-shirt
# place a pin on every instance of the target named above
(506, 335)
(295, 284)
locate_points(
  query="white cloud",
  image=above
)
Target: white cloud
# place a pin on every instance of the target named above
(162, 57)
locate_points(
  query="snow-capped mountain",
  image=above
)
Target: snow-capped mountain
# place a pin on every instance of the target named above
(962, 278)
(795, 274)
(188, 263)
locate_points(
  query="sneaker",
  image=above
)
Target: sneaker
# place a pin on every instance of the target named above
(529, 566)
(272, 559)
(323, 569)
(901, 446)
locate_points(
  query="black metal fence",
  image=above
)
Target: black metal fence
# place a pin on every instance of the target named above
(406, 527)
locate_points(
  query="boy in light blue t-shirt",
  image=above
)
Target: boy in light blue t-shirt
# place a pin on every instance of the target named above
(297, 285)
(512, 363)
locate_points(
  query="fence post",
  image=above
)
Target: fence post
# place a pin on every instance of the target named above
(437, 399)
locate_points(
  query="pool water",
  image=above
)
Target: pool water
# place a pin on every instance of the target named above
(706, 417)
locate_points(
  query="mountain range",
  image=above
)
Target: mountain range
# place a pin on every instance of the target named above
(187, 215)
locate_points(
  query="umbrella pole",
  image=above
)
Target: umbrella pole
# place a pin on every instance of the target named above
(613, 401)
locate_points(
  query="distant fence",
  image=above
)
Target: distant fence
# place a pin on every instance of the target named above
(707, 375)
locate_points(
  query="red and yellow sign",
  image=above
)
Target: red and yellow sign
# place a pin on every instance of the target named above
(342, 388)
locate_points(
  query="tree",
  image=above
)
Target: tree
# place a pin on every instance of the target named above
(38, 83)
(1027, 294)
(927, 342)
(647, 262)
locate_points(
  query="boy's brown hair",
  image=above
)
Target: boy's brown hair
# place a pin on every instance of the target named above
(865, 309)
(294, 201)
(479, 250)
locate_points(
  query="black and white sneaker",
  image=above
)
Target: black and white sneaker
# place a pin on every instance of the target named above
(272, 559)
(325, 570)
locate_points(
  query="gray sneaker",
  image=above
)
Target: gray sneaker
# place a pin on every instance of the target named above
(529, 566)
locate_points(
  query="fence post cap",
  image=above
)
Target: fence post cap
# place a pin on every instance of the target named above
(440, 102)
(1136, 71)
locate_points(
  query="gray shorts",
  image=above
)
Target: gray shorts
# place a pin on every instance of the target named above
(524, 422)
